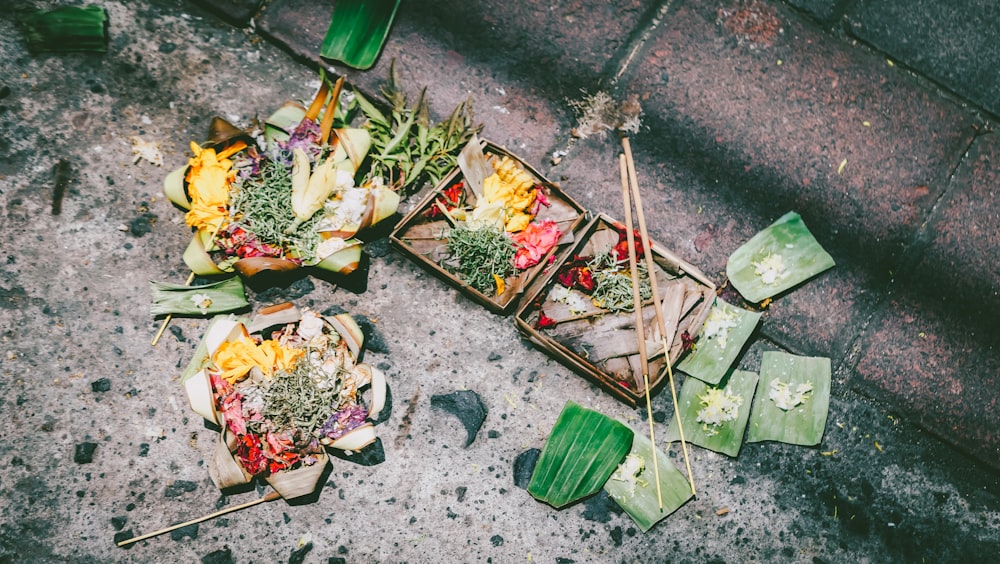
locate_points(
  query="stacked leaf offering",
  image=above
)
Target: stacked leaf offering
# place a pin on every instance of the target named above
(283, 387)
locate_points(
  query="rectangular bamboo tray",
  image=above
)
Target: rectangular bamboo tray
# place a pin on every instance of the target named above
(603, 346)
(421, 238)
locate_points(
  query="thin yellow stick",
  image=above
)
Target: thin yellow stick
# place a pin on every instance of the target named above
(639, 329)
(166, 320)
(648, 253)
(269, 497)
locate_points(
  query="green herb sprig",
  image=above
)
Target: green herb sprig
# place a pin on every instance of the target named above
(477, 254)
(293, 400)
(406, 149)
(263, 206)
(613, 286)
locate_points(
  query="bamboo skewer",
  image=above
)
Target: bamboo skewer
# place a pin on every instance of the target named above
(166, 320)
(639, 329)
(633, 182)
(271, 496)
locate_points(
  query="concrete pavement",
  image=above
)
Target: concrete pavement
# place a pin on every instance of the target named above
(750, 110)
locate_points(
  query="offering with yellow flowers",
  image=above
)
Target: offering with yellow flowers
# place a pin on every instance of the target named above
(283, 387)
(292, 195)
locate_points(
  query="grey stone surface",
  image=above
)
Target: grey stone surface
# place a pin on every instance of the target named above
(237, 12)
(74, 309)
(826, 11)
(953, 43)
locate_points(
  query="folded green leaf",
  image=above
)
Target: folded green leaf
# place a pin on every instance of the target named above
(210, 299)
(792, 400)
(582, 451)
(66, 29)
(725, 437)
(357, 32)
(633, 485)
(776, 259)
(720, 342)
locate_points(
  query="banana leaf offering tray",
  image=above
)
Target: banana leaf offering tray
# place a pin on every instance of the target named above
(283, 387)
(490, 227)
(582, 311)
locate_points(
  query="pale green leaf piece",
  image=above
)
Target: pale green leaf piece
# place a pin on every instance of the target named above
(776, 259)
(633, 484)
(210, 299)
(726, 437)
(792, 400)
(357, 32)
(201, 359)
(720, 341)
(582, 451)
(279, 125)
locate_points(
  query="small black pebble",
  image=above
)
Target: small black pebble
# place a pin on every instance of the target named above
(460, 492)
(102, 385)
(167, 47)
(467, 406)
(189, 531)
(496, 540)
(494, 357)
(286, 518)
(144, 449)
(123, 536)
(524, 466)
(179, 487)
(118, 522)
(222, 556)
(130, 507)
(616, 536)
(84, 453)
(493, 434)
(336, 560)
(178, 334)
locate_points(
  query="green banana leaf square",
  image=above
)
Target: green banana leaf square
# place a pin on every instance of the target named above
(582, 451)
(792, 400)
(720, 342)
(633, 484)
(777, 259)
(724, 436)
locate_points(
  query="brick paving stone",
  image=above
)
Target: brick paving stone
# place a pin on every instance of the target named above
(237, 12)
(960, 248)
(826, 11)
(297, 25)
(781, 131)
(935, 350)
(954, 43)
(568, 46)
(773, 117)
(938, 369)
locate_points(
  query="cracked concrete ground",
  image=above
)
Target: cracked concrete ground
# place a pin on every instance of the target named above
(98, 441)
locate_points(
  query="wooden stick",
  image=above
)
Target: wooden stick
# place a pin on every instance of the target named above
(166, 320)
(269, 497)
(633, 182)
(639, 328)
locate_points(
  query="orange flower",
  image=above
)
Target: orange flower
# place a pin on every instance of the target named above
(234, 359)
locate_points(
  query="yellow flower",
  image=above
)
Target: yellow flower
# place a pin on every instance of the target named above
(500, 284)
(209, 176)
(235, 359)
